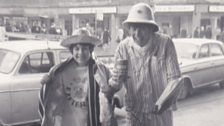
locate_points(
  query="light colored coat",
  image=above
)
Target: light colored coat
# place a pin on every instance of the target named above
(150, 69)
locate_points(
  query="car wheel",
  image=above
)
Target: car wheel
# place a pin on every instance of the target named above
(221, 84)
(185, 90)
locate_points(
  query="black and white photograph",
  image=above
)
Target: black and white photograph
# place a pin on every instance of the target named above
(111, 62)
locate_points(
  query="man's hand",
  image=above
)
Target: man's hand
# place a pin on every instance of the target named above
(108, 91)
(118, 78)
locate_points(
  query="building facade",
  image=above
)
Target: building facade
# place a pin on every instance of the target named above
(175, 17)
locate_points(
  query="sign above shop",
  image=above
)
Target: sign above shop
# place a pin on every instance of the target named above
(16, 11)
(99, 16)
(216, 8)
(91, 10)
(174, 8)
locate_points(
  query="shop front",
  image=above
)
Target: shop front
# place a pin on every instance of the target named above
(215, 19)
(175, 20)
(96, 19)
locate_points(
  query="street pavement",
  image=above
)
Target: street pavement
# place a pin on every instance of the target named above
(200, 115)
(205, 108)
(106, 49)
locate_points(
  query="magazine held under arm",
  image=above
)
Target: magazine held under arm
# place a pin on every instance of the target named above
(169, 95)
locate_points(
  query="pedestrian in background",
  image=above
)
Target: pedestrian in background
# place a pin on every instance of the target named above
(2, 32)
(35, 28)
(152, 64)
(222, 36)
(43, 29)
(106, 36)
(120, 34)
(183, 33)
(52, 29)
(208, 32)
(196, 33)
(202, 32)
(70, 95)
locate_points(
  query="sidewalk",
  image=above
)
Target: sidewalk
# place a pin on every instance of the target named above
(210, 114)
(107, 49)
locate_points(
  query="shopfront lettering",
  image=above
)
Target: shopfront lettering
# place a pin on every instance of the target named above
(216, 8)
(91, 10)
(174, 8)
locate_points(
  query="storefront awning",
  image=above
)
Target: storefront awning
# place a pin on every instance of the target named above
(174, 8)
(92, 10)
(216, 8)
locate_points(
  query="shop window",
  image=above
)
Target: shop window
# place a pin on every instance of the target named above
(205, 22)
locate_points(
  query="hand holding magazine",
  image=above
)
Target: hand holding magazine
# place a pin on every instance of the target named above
(169, 95)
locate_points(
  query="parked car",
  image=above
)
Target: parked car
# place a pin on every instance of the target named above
(22, 65)
(201, 63)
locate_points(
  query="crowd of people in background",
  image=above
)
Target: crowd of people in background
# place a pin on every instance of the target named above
(199, 32)
(103, 33)
(204, 32)
(35, 28)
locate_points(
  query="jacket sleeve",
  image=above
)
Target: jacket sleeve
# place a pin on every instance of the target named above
(102, 76)
(121, 53)
(46, 82)
(172, 65)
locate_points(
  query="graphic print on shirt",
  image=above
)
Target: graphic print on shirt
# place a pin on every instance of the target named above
(76, 87)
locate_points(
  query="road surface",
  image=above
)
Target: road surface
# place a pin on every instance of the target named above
(203, 108)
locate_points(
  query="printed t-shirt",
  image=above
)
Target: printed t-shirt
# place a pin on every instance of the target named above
(76, 85)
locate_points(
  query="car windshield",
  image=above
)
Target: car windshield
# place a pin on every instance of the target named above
(186, 50)
(8, 60)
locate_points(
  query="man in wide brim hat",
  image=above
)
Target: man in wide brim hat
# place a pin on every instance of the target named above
(81, 36)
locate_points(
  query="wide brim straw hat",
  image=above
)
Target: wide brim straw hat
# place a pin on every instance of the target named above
(141, 13)
(81, 36)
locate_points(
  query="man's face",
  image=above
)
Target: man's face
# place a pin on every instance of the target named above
(141, 33)
(81, 54)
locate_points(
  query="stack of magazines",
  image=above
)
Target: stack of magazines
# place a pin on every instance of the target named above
(169, 95)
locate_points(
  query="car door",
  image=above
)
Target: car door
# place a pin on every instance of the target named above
(217, 59)
(203, 68)
(8, 60)
(5, 109)
(26, 85)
